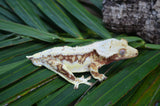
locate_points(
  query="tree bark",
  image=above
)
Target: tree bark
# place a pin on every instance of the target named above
(141, 17)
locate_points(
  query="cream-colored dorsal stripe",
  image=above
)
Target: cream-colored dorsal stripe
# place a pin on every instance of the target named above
(102, 48)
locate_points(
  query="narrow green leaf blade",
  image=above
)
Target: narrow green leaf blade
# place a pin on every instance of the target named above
(148, 90)
(152, 46)
(76, 40)
(92, 22)
(27, 31)
(16, 73)
(9, 15)
(97, 3)
(20, 49)
(3, 37)
(56, 14)
(14, 41)
(125, 99)
(142, 88)
(4, 17)
(8, 67)
(23, 9)
(4, 4)
(131, 38)
(64, 96)
(36, 95)
(25, 84)
(156, 97)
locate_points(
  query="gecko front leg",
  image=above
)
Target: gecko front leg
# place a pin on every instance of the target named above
(93, 67)
(63, 71)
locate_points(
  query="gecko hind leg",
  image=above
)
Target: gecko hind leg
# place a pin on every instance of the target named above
(72, 79)
(63, 71)
(94, 72)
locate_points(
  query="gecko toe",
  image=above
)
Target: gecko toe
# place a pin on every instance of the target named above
(76, 86)
(102, 77)
(105, 78)
(82, 80)
(88, 78)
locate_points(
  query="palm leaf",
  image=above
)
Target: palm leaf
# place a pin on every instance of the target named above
(26, 30)
(4, 37)
(152, 46)
(23, 8)
(28, 27)
(14, 41)
(8, 15)
(85, 17)
(57, 15)
(147, 91)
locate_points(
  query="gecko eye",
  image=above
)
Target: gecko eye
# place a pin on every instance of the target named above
(122, 52)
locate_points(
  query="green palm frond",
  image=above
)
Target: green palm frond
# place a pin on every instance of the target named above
(31, 26)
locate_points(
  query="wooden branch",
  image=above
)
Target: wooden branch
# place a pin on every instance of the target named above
(141, 17)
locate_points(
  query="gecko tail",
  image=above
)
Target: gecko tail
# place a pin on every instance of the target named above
(29, 57)
(36, 62)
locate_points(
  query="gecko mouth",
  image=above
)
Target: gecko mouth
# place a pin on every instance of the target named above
(133, 55)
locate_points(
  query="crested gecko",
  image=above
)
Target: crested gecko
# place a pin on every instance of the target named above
(68, 60)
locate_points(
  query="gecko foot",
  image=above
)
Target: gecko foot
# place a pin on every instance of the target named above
(101, 77)
(82, 80)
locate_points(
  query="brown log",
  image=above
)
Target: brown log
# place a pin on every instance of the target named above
(141, 17)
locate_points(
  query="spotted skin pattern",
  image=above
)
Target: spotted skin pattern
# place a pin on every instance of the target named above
(68, 60)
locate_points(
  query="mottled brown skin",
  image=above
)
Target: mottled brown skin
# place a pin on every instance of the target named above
(95, 72)
(94, 55)
(70, 57)
(98, 62)
(65, 73)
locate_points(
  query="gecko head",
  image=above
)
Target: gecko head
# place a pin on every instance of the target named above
(115, 49)
(124, 51)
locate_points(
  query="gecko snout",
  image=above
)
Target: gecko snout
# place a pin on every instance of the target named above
(136, 53)
(130, 52)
